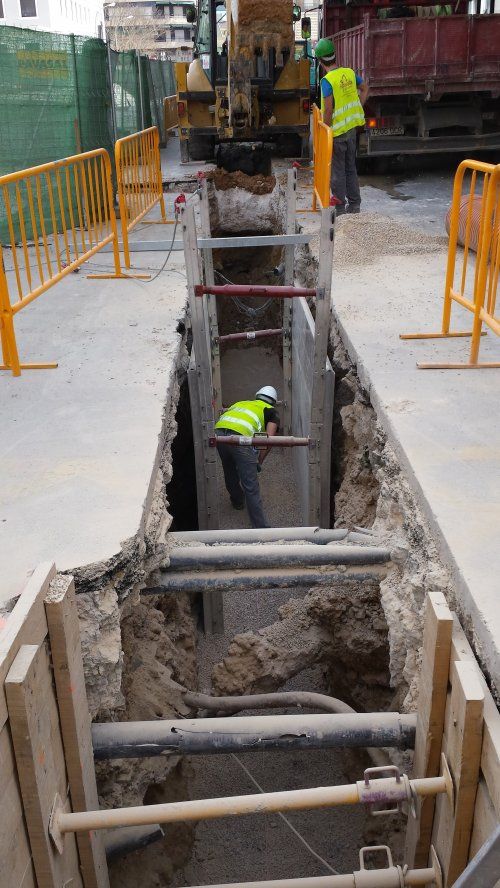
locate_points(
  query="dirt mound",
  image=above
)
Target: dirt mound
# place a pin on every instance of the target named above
(258, 184)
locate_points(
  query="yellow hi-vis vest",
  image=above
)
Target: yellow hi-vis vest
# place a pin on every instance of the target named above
(244, 418)
(348, 110)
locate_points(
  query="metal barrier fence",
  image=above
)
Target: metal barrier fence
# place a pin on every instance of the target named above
(170, 113)
(140, 188)
(473, 283)
(58, 215)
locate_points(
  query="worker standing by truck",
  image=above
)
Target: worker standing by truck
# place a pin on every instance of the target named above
(343, 95)
(240, 463)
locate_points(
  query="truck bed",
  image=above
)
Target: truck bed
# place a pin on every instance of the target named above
(458, 53)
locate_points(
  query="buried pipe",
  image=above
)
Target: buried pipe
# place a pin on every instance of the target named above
(264, 579)
(305, 699)
(240, 557)
(255, 733)
(124, 841)
(385, 790)
(318, 535)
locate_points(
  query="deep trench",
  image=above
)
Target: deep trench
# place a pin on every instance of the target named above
(264, 846)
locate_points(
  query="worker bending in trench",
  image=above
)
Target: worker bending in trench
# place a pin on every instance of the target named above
(240, 463)
(343, 95)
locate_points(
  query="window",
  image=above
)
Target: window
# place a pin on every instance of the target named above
(161, 37)
(1, 10)
(28, 8)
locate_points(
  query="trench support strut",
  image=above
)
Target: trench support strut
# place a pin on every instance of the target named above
(268, 292)
(259, 441)
(256, 733)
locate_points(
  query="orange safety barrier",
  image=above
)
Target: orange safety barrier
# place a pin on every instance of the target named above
(476, 291)
(322, 138)
(140, 186)
(58, 215)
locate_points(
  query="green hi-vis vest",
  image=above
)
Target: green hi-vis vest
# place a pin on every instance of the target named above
(348, 110)
(244, 418)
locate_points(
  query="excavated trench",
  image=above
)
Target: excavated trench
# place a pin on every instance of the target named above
(356, 641)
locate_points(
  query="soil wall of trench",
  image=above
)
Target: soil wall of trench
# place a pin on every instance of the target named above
(138, 650)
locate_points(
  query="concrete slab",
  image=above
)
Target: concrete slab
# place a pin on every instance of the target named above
(78, 444)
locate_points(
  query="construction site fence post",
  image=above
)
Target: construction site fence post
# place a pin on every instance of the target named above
(58, 215)
(139, 180)
(471, 276)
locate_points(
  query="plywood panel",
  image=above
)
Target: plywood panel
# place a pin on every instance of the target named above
(15, 851)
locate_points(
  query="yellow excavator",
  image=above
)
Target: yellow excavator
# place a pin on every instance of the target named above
(244, 85)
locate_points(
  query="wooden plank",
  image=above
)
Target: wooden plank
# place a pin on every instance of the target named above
(74, 716)
(490, 756)
(15, 851)
(34, 724)
(462, 744)
(25, 625)
(438, 624)
(485, 821)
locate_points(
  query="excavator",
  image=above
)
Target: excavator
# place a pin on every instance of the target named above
(244, 89)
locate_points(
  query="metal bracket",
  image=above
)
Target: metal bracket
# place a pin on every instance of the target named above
(370, 795)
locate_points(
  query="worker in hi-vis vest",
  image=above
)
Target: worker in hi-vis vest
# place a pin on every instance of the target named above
(240, 463)
(343, 95)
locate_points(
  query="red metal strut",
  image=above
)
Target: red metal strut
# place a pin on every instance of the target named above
(260, 441)
(251, 334)
(253, 290)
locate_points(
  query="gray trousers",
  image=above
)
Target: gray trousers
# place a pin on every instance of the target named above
(344, 179)
(239, 465)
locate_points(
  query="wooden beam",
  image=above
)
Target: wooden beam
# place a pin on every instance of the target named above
(67, 662)
(462, 744)
(25, 625)
(438, 623)
(34, 725)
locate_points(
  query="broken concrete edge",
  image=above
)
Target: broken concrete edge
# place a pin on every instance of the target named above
(472, 618)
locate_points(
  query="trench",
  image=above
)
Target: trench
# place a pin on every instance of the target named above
(316, 641)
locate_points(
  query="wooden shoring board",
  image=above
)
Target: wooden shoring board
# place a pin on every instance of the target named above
(436, 651)
(462, 744)
(38, 747)
(74, 715)
(26, 624)
(15, 850)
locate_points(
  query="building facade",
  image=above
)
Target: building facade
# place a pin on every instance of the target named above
(157, 29)
(83, 17)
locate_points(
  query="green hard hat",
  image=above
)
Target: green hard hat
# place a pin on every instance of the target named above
(324, 48)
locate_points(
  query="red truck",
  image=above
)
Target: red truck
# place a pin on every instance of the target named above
(434, 79)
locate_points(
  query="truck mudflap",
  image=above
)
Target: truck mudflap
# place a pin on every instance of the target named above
(377, 146)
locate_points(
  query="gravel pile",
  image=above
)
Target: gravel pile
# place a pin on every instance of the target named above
(360, 239)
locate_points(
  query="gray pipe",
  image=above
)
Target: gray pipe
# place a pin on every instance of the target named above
(241, 557)
(229, 581)
(120, 842)
(251, 734)
(259, 535)
(484, 869)
(306, 699)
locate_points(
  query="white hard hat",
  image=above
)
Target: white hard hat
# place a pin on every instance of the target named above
(267, 393)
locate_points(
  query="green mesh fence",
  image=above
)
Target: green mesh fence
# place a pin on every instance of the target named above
(55, 97)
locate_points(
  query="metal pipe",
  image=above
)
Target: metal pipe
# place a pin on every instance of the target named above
(386, 790)
(305, 699)
(240, 557)
(221, 581)
(259, 441)
(483, 870)
(317, 535)
(379, 878)
(264, 290)
(255, 733)
(251, 334)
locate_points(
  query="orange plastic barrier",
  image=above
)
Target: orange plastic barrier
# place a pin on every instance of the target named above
(58, 215)
(323, 148)
(473, 281)
(139, 179)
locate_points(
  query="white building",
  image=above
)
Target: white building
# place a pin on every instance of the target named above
(83, 17)
(155, 27)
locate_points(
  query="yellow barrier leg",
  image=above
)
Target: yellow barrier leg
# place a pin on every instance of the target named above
(118, 274)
